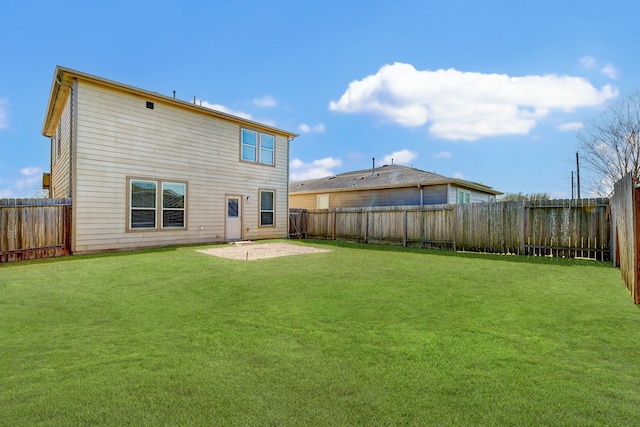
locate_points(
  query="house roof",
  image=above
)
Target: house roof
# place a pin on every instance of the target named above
(63, 80)
(388, 176)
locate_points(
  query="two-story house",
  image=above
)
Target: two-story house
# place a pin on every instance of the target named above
(148, 170)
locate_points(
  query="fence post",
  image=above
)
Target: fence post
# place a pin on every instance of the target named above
(67, 230)
(636, 245)
(404, 228)
(366, 226)
(525, 228)
(333, 226)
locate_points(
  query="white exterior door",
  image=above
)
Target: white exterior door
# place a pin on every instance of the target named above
(234, 218)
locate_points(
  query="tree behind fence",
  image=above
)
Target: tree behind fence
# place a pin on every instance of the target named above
(34, 228)
(568, 228)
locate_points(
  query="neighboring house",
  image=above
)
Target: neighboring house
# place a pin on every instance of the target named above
(390, 185)
(148, 170)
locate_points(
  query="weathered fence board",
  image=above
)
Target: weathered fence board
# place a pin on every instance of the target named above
(625, 213)
(568, 228)
(34, 228)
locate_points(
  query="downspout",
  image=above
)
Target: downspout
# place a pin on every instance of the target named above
(421, 194)
(70, 135)
(51, 140)
(289, 139)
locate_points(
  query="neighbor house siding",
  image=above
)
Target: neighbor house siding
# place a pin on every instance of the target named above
(476, 197)
(406, 196)
(383, 197)
(118, 138)
(304, 201)
(434, 195)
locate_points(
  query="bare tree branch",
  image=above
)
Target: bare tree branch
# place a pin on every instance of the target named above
(610, 144)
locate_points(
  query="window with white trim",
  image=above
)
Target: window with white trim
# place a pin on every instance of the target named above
(257, 147)
(267, 208)
(464, 197)
(155, 204)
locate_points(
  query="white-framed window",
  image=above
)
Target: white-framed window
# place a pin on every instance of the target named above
(267, 208)
(464, 197)
(157, 204)
(257, 147)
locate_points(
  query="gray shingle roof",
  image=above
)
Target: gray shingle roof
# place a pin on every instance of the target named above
(382, 177)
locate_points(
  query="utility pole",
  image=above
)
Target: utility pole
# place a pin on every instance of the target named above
(578, 172)
(572, 187)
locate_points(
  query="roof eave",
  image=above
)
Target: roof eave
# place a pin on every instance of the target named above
(66, 75)
(461, 183)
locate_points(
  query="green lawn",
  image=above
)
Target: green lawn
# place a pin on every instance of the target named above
(362, 335)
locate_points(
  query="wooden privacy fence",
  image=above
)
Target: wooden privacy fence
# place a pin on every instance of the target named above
(625, 225)
(567, 228)
(34, 228)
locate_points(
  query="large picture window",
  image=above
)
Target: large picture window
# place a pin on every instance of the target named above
(267, 208)
(257, 147)
(156, 204)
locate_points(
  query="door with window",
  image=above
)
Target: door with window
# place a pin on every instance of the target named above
(234, 218)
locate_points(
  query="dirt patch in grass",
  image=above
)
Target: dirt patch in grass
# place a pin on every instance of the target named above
(248, 251)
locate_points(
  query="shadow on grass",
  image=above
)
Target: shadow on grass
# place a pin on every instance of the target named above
(478, 255)
(334, 244)
(109, 254)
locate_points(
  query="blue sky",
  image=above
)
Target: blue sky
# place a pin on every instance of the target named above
(490, 91)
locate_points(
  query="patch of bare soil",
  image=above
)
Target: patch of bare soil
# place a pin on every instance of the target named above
(248, 251)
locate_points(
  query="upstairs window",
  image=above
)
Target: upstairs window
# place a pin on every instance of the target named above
(257, 147)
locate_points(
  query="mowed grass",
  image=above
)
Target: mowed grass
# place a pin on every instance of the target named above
(362, 335)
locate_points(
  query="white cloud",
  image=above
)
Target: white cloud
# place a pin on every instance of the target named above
(466, 105)
(588, 62)
(32, 176)
(4, 113)
(317, 128)
(443, 155)
(316, 169)
(224, 109)
(265, 101)
(30, 171)
(610, 71)
(571, 126)
(328, 162)
(402, 157)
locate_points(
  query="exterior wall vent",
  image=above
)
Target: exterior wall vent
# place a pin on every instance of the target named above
(150, 105)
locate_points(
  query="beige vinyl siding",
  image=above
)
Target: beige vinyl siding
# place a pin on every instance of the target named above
(119, 138)
(60, 161)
